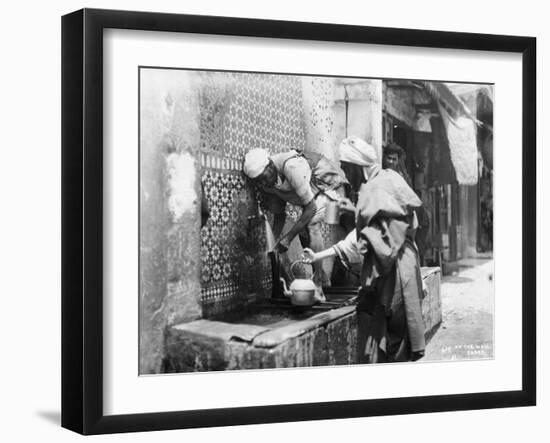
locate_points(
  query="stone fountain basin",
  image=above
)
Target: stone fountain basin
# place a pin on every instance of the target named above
(269, 334)
(278, 312)
(272, 334)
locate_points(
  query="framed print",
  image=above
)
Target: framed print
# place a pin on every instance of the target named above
(269, 221)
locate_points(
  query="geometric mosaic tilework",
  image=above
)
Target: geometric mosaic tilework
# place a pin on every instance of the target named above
(218, 235)
(266, 112)
(209, 162)
(239, 112)
(218, 292)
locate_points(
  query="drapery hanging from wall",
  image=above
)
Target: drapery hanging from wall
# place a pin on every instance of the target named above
(461, 135)
(441, 170)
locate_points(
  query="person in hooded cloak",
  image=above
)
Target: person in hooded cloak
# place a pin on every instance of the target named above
(390, 323)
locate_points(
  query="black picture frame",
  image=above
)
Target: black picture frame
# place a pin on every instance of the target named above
(82, 220)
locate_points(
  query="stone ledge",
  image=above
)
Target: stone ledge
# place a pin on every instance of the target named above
(327, 338)
(205, 345)
(273, 337)
(220, 330)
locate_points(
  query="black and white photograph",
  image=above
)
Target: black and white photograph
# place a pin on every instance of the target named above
(274, 221)
(299, 220)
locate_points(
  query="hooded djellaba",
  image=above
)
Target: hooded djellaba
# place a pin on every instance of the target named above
(391, 328)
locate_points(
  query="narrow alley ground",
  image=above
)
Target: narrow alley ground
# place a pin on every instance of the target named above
(467, 299)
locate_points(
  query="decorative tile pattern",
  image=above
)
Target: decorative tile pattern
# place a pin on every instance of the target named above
(240, 112)
(217, 255)
(266, 113)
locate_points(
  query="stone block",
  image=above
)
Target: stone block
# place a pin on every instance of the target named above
(206, 345)
(340, 350)
(286, 354)
(320, 347)
(431, 303)
(304, 348)
(195, 352)
(352, 338)
(268, 358)
(243, 356)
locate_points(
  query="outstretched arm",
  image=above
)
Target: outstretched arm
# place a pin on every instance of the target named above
(347, 250)
(313, 257)
(308, 212)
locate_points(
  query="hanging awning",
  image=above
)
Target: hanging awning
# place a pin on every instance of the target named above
(479, 99)
(460, 127)
(465, 90)
(461, 135)
(452, 103)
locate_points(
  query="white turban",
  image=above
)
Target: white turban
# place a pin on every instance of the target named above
(255, 161)
(357, 151)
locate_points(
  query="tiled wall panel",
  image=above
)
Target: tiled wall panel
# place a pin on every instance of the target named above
(240, 112)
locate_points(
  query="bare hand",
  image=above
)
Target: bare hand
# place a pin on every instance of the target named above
(309, 256)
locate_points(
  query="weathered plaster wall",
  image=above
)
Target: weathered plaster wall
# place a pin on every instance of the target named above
(318, 101)
(320, 123)
(399, 102)
(468, 201)
(169, 215)
(364, 111)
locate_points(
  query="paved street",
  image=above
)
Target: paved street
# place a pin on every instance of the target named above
(467, 299)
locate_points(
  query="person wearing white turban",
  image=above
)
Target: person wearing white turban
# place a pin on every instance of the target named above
(358, 152)
(390, 324)
(291, 177)
(255, 162)
(359, 161)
